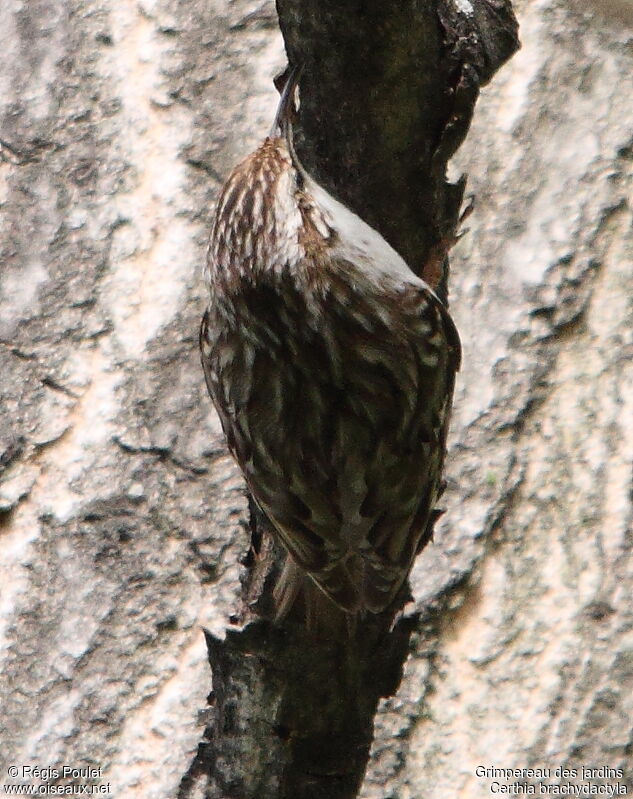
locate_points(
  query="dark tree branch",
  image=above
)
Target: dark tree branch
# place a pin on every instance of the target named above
(387, 96)
(388, 93)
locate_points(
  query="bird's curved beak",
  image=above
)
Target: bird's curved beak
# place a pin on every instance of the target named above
(286, 109)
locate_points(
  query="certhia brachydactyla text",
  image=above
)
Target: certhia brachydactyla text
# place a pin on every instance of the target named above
(331, 366)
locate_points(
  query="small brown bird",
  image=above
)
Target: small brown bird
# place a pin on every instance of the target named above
(331, 366)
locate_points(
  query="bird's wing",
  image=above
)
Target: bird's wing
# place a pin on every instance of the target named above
(337, 416)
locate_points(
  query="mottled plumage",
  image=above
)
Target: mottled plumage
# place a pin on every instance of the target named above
(331, 366)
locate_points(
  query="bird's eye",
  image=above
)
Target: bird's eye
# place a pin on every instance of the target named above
(300, 181)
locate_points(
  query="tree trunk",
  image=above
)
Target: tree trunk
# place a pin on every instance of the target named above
(122, 518)
(394, 91)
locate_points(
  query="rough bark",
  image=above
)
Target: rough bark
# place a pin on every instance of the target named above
(122, 518)
(388, 95)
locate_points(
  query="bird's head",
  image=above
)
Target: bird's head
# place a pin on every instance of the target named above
(258, 219)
